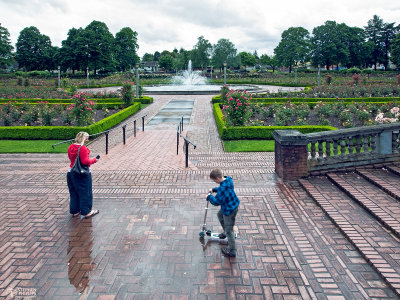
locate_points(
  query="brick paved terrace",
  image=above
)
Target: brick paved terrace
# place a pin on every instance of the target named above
(324, 237)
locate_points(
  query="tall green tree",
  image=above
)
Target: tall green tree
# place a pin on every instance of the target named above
(225, 51)
(73, 52)
(354, 39)
(126, 47)
(156, 55)
(201, 53)
(100, 46)
(247, 59)
(6, 55)
(367, 50)
(328, 47)
(148, 57)
(374, 33)
(293, 47)
(395, 50)
(388, 34)
(182, 59)
(34, 50)
(166, 61)
(272, 61)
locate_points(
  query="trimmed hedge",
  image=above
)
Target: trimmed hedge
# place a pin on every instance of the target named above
(260, 82)
(143, 100)
(91, 86)
(256, 132)
(64, 132)
(217, 99)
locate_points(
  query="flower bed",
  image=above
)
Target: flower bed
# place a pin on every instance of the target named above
(238, 117)
(338, 114)
(65, 132)
(57, 112)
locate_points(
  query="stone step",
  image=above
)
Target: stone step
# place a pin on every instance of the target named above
(379, 204)
(394, 169)
(243, 161)
(384, 179)
(377, 245)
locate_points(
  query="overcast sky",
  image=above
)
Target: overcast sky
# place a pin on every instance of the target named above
(164, 25)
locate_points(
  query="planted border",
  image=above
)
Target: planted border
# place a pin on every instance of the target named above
(143, 100)
(257, 132)
(65, 132)
(217, 99)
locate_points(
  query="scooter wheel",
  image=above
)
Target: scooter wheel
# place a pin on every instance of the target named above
(208, 232)
(201, 234)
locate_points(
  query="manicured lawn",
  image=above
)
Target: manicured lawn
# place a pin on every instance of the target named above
(32, 146)
(250, 146)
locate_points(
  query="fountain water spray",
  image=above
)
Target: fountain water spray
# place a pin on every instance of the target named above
(189, 77)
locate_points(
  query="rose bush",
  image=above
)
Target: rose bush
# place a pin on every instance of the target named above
(236, 108)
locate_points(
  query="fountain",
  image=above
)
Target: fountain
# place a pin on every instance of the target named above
(191, 82)
(189, 77)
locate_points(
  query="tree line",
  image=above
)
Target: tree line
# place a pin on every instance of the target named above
(95, 47)
(92, 47)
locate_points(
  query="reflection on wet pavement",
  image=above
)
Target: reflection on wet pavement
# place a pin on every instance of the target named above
(79, 254)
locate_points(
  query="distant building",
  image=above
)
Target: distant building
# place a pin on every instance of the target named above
(150, 66)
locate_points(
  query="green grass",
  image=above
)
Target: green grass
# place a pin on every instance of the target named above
(250, 146)
(32, 146)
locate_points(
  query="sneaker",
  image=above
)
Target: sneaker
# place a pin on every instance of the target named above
(222, 236)
(229, 253)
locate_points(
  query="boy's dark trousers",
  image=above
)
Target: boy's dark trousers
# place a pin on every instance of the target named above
(80, 191)
(227, 223)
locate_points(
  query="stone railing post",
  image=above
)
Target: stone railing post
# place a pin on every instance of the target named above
(290, 154)
(385, 142)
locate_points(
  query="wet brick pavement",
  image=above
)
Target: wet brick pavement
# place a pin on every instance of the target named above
(144, 244)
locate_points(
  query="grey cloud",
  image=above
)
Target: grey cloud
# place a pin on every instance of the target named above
(207, 13)
(36, 7)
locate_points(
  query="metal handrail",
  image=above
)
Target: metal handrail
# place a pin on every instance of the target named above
(108, 131)
(187, 142)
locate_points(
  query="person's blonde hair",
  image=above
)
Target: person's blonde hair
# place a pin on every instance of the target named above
(216, 173)
(81, 137)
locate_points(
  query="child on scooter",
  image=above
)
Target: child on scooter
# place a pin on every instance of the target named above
(229, 202)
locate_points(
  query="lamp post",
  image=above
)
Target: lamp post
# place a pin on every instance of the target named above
(59, 77)
(87, 76)
(319, 75)
(137, 80)
(224, 72)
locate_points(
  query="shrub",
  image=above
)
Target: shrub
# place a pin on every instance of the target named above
(328, 79)
(46, 113)
(356, 79)
(29, 115)
(126, 93)
(82, 110)
(236, 108)
(354, 71)
(224, 92)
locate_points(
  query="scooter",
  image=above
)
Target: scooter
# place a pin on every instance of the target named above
(211, 236)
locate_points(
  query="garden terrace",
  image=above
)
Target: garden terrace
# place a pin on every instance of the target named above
(333, 150)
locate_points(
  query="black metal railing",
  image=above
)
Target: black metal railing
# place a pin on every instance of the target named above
(186, 141)
(107, 132)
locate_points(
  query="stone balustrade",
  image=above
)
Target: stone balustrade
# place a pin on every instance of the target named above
(298, 155)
